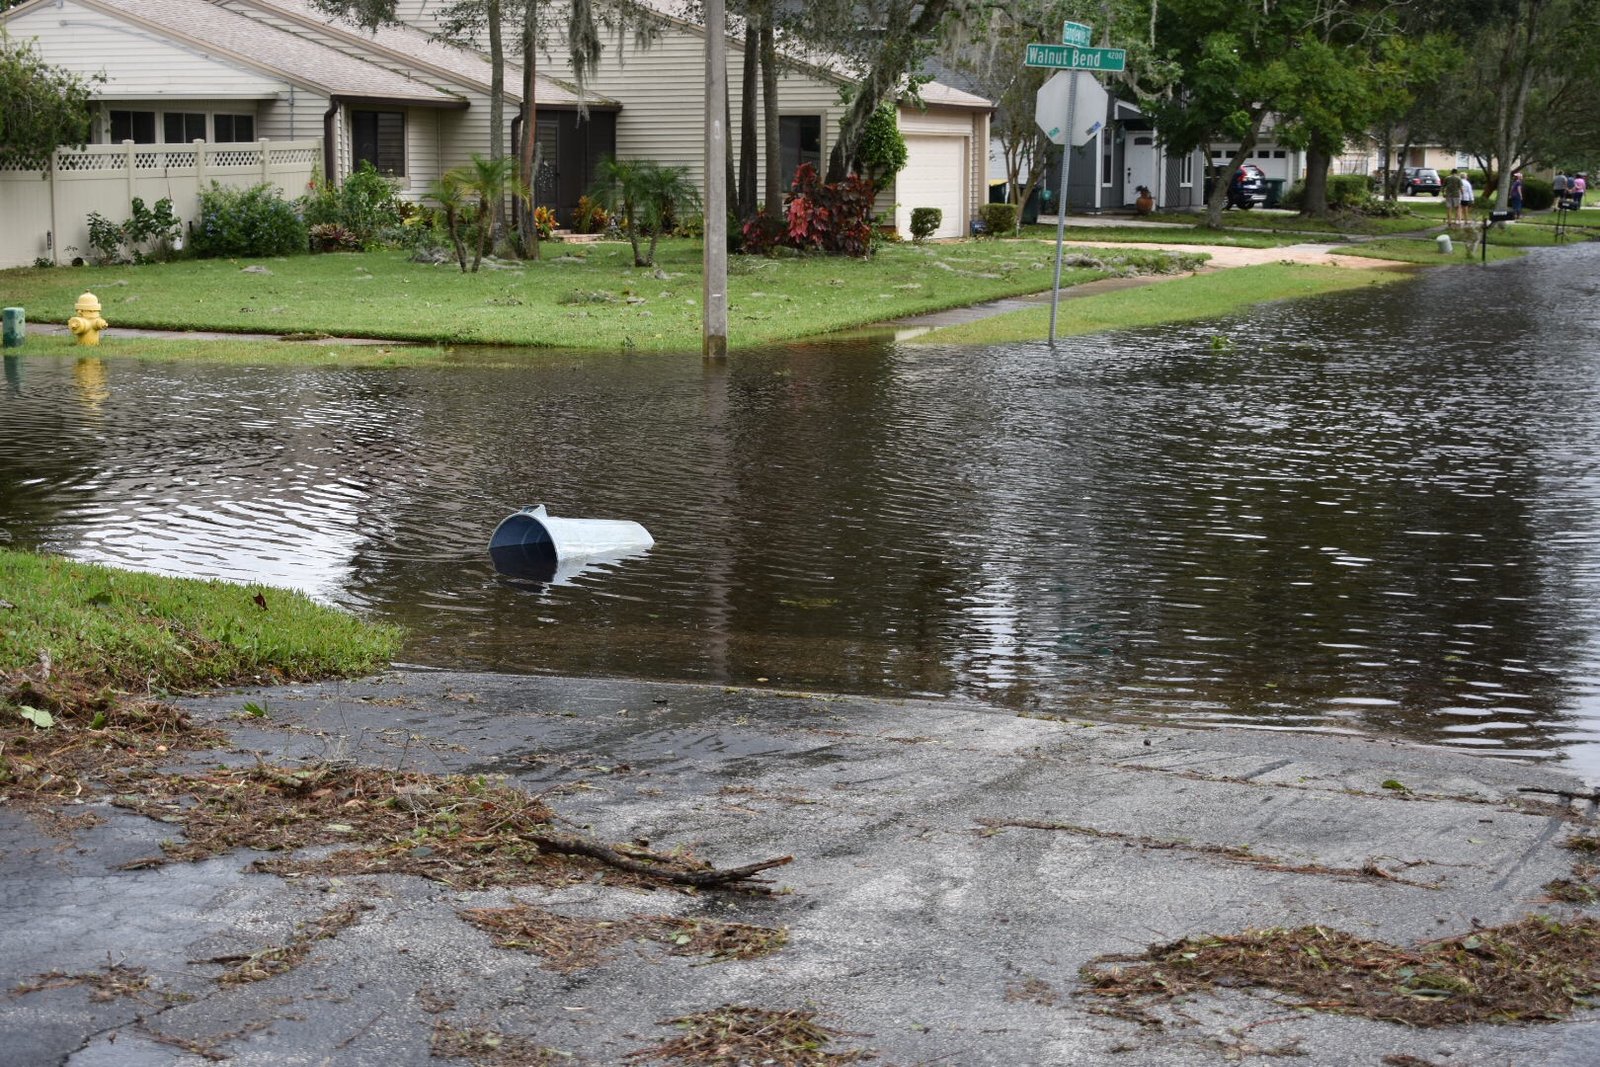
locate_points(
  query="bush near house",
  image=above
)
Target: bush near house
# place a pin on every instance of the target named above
(247, 222)
(126, 241)
(830, 217)
(1346, 192)
(924, 220)
(589, 217)
(1537, 195)
(365, 206)
(998, 219)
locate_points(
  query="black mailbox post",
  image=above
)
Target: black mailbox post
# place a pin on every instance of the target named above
(1494, 218)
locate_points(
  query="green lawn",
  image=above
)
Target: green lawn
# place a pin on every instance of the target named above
(1426, 250)
(586, 296)
(1177, 300)
(105, 626)
(252, 353)
(1289, 223)
(1190, 235)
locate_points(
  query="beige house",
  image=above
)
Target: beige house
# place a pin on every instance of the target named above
(661, 89)
(201, 90)
(178, 71)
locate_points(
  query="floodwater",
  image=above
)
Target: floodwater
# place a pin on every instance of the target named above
(1374, 512)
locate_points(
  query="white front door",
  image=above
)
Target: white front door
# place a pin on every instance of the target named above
(1139, 165)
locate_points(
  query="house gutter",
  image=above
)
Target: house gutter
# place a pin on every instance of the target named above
(328, 118)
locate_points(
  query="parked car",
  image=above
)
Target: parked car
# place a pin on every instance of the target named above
(1248, 189)
(1421, 180)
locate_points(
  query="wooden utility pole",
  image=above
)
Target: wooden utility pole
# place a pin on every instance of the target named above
(715, 263)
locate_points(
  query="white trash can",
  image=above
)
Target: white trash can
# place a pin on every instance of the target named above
(532, 543)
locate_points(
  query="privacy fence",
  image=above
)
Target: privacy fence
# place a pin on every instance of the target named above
(44, 214)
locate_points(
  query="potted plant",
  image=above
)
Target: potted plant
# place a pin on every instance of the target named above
(1144, 203)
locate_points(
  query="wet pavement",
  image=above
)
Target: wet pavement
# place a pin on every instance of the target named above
(923, 920)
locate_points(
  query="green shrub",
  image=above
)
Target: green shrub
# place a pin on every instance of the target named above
(121, 242)
(247, 222)
(1348, 192)
(882, 152)
(1537, 195)
(365, 204)
(998, 218)
(924, 220)
(1345, 192)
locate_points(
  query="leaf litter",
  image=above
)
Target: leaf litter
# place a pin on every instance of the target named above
(464, 831)
(735, 1035)
(569, 944)
(1537, 969)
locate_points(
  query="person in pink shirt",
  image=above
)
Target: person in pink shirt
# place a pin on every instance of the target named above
(1576, 188)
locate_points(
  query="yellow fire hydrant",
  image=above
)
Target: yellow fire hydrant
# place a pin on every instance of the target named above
(87, 323)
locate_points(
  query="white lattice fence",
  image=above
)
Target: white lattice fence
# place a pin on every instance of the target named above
(44, 214)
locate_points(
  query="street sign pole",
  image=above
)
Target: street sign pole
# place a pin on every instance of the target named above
(1061, 205)
(1071, 54)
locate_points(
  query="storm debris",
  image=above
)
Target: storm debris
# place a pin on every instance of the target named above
(491, 1048)
(1367, 872)
(570, 944)
(61, 736)
(110, 982)
(467, 831)
(734, 1035)
(1537, 969)
(284, 958)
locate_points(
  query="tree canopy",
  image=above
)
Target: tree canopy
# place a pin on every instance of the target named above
(41, 106)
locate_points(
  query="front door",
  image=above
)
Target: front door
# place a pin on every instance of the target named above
(1139, 165)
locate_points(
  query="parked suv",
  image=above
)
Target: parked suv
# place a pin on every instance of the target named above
(1249, 189)
(1420, 180)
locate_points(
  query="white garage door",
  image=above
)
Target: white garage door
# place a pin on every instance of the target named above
(935, 176)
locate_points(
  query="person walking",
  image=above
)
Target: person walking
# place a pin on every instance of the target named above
(1576, 188)
(1514, 195)
(1466, 200)
(1558, 185)
(1452, 198)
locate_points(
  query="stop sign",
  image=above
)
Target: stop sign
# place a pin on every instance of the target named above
(1050, 107)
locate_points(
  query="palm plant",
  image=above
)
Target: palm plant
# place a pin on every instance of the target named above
(488, 180)
(448, 193)
(644, 196)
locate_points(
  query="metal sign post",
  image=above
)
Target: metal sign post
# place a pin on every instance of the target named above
(1061, 207)
(1064, 131)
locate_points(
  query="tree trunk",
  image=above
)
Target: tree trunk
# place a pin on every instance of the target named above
(497, 105)
(1219, 182)
(530, 128)
(1315, 202)
(747, 116)
(773, 194)
(1516, 81)
(900, 41)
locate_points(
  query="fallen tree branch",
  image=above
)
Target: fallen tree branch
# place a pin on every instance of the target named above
(706, 878)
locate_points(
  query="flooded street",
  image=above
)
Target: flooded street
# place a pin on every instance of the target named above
(1376, 511)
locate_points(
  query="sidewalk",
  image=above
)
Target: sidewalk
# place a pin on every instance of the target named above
(954, 867)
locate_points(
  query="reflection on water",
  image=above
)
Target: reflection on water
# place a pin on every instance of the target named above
(1373, 511)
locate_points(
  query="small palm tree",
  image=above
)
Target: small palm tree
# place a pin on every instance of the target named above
(488, 180)
(452, 200)
(644, 196)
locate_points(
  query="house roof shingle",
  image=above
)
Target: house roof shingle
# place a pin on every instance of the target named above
(414, 47)
(935, 94)
(224, 33)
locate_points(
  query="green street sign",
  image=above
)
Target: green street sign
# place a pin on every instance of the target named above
(1076, 33)
(1071, 57)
